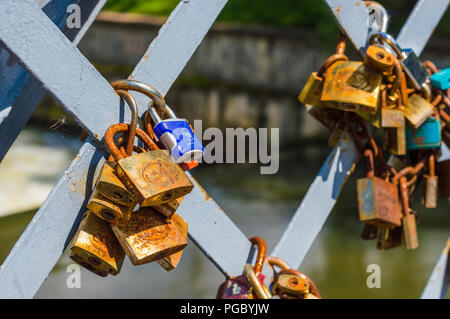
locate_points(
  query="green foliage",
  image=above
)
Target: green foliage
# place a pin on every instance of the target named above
(285, 13)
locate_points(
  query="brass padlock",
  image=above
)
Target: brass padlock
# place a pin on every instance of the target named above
(286, 282)
(391, 115)
(379, 60)
(408, 220)
(351, 86)
(378, 201)
(95, 248)
(388, 237)
(149, 236)
(311, 92)
(417, 110)
(171, 262)
(430, 190)
(108, 210)
(443, 172)
(394, 140)
(152, 177)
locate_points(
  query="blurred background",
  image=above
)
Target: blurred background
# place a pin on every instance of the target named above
(247, 72)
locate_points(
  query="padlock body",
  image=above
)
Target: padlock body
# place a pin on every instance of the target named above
(410, 232)
(171, 262)
(427, 136)
(417, 110)
(238, 287)
(379, 60)
(110, 186)
(153, 177)
(441, 79)
(443, 173)
(350, 86)
(179, 138)
(312, 91)
(394, 140)
(430, 191)
(168, 209)
(327, 116)
(392, 118)
(291, 284)
(95, 247)
(107, 210)
(414, 68)
(378, 202)
(149, 236)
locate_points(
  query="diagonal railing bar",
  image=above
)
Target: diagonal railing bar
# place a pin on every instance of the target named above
(19, 92)
(318, 202)
(421, 24)
(438, 282)
(210, 228)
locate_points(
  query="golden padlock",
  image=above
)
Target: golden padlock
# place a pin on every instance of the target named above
(171, 262)
(395, 140)
(152, 177)
(351, 86)
(108, 210)
(417, 110)
(95, 247)
(379, 60)
(149, 236)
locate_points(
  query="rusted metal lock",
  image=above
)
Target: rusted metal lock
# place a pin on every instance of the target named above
(293, 284)
(328, 117)
(394, 140)
(170, 262)
(408, 220)
(239, 287)
(95, 247)
(430, 190)
(149, 236)
(312, 91)
(110, 186)
(351, 86)
(443, 172)
(152, 177)
(379, 60)
(388, 237)
(417, 110)
(108, 210)
(378, 201)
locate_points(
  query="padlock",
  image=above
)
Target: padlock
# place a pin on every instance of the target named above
(289, 283)
(379, 60)
(169, 208)
(427, 136)
(417, 110)
(148, 236)
(312, 91)
(369, 232)
(327, 116)
(108, 210)
(351, 86)
(388, 237)
(394, 140)
(171, 262)
(378, 201)
(417, 74)
(390, 115)
(177, 135)
(430, 190)
(441, 79)
(152, 177)
(95, 248)
(409, 227)
(110, 186)
(443, 173)
(239, 287)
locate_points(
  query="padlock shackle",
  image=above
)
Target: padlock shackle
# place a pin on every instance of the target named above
(261, 244)
(275, 261)
(123, 127)
(143, 88)
(156, 117)
(330, 61)
(128, 98)
(384, 14)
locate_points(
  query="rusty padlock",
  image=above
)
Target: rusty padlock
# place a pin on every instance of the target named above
(408, 220)
(239, 287)
(152, 177)
(149, 236)
(379, 59)
(417, 110)
(171, 262)
(95, 247)
(108, 210)
(430, 190)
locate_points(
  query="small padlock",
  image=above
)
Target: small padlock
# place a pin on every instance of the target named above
(239, 287)
(441, 79)
(171, 262)
(427, 136)
(286, 282)
(443, 173)
(430, 190)
(351, 86)
(417, 110)
(390, 115)
(95, 247)
(177, 135)
(108, 210)
(409, 227)
(388, 237)
(152, 177)
(379, 60)
(378, 201)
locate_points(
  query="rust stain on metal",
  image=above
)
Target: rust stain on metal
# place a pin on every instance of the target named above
(145, 57)
(338, 10)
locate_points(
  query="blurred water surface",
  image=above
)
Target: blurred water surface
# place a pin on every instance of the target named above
(259, 205)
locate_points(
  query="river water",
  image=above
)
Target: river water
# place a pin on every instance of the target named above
(259, 205)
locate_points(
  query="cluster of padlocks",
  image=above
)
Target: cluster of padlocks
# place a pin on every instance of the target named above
(287, 283)
(408, 100)
(132, 209)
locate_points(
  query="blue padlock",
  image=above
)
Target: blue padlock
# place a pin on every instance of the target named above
(441, 79)
(177, 136)
(427, 136)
